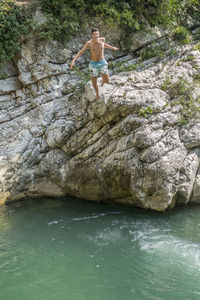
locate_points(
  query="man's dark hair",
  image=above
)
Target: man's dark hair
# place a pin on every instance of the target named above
(94, 29)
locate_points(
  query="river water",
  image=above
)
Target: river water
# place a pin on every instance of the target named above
(73, 250)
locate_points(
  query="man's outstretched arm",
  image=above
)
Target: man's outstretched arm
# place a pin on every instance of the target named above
(79, 54)
(110, 47)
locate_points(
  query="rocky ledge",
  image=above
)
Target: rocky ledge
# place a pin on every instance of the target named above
(131, 146)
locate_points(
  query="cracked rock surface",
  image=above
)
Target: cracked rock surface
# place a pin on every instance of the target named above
(56, 139)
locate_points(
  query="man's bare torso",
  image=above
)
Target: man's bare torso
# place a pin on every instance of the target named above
(96, 46)
(97, 49)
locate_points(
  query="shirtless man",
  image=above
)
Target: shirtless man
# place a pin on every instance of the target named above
(97, 63)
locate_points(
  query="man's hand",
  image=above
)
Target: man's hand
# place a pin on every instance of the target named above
(115, 48)
(72, 64)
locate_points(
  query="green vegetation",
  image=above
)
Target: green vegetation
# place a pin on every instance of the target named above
(152, 51)
(165, 85)
(66, 18)
(146, 53)
(29, 154)
(128, 68)
(14, 22)
(83, 75)
(196, 78)
(122, 66)
(182, 35)
(189, 58)
(3, 76)
(176, 12)
(181, 93)
(145, 111)
(149, 52)
(173, 51)
(197, 47)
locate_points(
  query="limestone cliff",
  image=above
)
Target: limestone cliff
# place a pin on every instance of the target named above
(129, 146)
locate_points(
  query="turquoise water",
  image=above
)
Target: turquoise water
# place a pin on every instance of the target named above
(56, 250)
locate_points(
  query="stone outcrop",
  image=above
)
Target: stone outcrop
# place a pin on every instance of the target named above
(128, 146)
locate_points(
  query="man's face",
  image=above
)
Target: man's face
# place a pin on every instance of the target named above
(95, 35)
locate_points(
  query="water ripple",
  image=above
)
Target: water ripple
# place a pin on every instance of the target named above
(90, 252)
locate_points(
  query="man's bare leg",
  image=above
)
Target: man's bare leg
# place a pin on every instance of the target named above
(105, 79)
(95, 86)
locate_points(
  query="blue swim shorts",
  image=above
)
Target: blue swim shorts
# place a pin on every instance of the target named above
(97, 67)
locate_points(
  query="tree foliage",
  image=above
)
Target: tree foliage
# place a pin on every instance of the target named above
(66, 17)
(13, 23)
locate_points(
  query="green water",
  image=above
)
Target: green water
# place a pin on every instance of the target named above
(56, 250)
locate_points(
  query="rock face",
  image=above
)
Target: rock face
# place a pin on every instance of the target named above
(56, 139)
